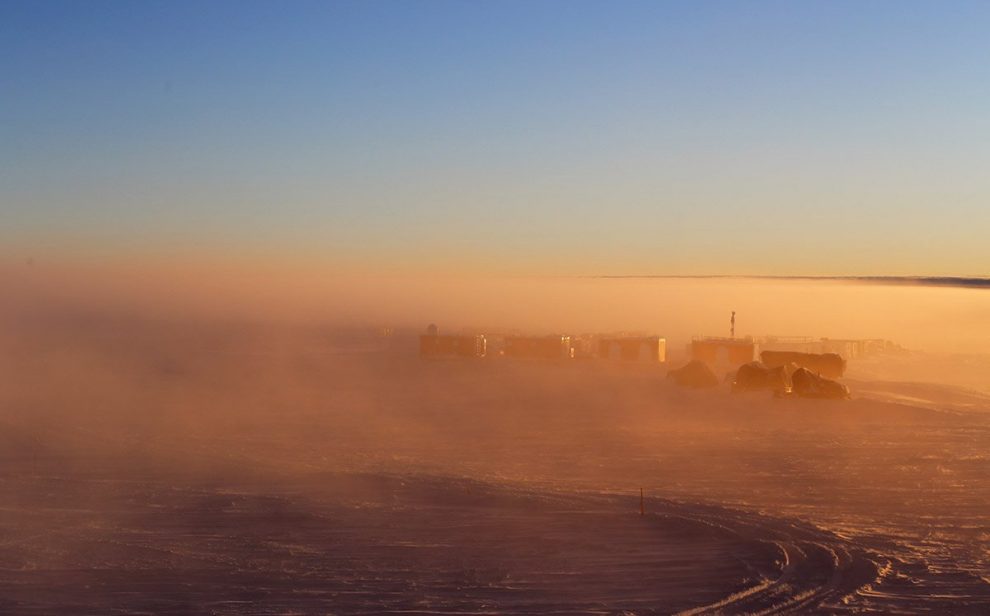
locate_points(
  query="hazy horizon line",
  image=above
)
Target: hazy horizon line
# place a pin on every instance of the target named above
(969, 282)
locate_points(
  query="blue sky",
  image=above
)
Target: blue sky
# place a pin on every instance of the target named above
(532, 137)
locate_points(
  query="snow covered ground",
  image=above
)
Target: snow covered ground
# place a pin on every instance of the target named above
(383, 544)
(209, 479)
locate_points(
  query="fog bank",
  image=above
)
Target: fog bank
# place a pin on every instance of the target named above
(940, 319)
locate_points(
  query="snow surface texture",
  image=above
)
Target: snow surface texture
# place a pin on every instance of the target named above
(237, 473)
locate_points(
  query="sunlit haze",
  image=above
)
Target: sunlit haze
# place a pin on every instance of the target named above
(437, 307)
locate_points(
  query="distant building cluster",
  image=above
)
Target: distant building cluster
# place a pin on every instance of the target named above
(785, 366)
(734, 352)
(824, 358)
(717, 352)
(618, 348)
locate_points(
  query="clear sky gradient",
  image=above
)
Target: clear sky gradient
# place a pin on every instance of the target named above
(529, 137)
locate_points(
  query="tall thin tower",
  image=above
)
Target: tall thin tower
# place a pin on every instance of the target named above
(732, 325)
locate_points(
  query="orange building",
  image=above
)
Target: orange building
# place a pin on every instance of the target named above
(538, 347)
(634, 348)
(435, 345)
(724, 352)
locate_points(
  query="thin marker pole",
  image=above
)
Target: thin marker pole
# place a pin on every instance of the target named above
(642, 503)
